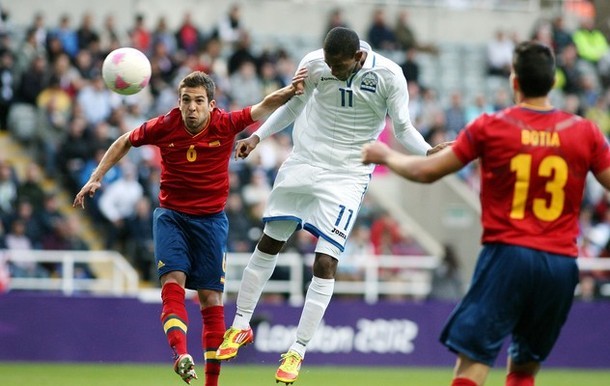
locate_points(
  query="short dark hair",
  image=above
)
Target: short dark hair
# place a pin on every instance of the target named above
(534, 66)
(199, 79)
(342, 42)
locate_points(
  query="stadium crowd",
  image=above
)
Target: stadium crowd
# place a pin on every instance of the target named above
(54, 102)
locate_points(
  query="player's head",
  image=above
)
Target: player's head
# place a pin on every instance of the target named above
(342, 52)
(196, 100)
(533, 72)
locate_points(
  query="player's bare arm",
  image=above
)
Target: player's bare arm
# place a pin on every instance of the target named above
(414, 168)
(277, 98)
(115, 152)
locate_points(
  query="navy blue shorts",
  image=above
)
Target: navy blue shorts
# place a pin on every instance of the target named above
(195, 245)
(515, 291)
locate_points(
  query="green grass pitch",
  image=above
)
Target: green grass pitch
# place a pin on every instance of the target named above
(44, 374)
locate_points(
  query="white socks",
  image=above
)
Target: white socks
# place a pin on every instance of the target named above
(316, 301)
(257, 273)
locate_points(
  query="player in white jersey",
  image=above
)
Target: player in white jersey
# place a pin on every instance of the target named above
(348, 93)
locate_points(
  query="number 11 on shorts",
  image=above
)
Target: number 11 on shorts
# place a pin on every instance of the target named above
(340, 217)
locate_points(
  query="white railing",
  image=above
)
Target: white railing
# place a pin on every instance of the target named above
(593, 264)
(114, 275)
(415, 282)
(118, 278)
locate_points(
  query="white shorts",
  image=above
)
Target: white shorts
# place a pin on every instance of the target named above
(322, 202)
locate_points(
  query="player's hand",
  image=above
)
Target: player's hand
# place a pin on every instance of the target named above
(88, 190)
(375, 153)
(244, 147)
(439, 147)
(298, 81)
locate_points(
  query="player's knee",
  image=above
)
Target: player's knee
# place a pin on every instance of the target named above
(275, 235)
(324, 266)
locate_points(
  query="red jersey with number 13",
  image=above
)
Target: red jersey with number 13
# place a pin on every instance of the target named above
(194, 168)
(533, 169)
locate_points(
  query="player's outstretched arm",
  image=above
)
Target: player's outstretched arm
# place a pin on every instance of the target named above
(115, 152)
(414, 168)
(244, 147)
(277, 98)
(439, 147)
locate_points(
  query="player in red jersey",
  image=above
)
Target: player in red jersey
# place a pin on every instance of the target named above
(534, 161)
(190, 227)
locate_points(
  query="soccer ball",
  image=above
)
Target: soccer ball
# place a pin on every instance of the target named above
(126, 71)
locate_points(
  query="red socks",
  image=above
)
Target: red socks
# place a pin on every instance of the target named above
(212, 337)
(463, 382)
(174, 317)
(519, 379)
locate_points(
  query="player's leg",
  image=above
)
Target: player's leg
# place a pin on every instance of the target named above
(208, 239)
(521, 374)
(172, 262)
(212, 313)
(256, 274)
(550, 301)
(318, 297)
(469, 372)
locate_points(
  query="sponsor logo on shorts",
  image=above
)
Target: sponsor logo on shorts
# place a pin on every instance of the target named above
(160, 264)
(339, 233)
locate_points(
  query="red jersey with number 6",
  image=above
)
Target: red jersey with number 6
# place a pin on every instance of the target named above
(194, 168)
(533, 169)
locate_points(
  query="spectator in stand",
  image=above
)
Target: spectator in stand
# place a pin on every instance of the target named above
(600, 113)
(410, 67)
(406, 38)
(17, 240)
(39, 29)
(242, 53)
(139, 35)
(246, 86)
(86, 32)
(499, 54)
(162, 34)
(240, 238)
(97, 101)
(66, 35)
(358, 249)
(110, 36)
(562, 37)
(455, 114)
(569, 71)
(188, 35)
(50, 213)
(28, 50)
(447, 283)
(32, 81)
(336, 18)
(229, 28)
(73, 152)
(70, 79)
(139, 241)
(590, 42)
(25, 213)
(30, 189)
(380, 35)
(479, 106)
(117, 204)
(55, 108)
(8, 191)
(7, 85)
